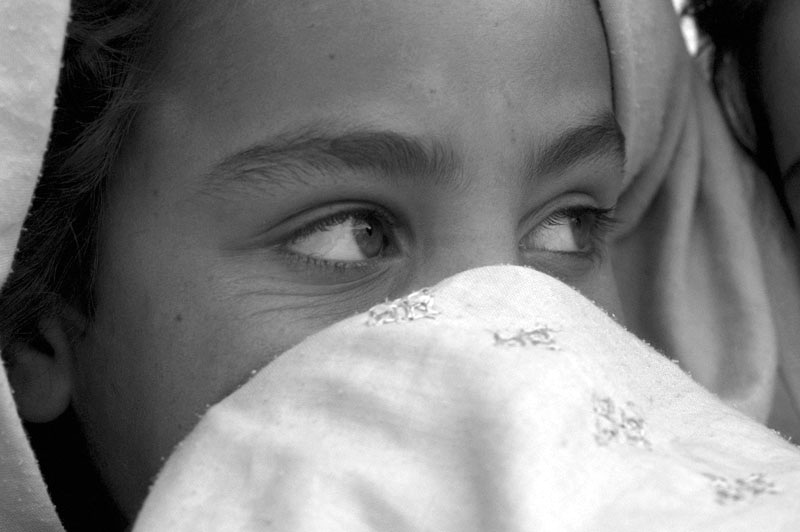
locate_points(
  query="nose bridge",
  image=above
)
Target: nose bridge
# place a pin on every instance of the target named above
(477, 224)
(466, 244)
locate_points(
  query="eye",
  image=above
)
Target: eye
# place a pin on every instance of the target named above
(354, 236)
(577, 230)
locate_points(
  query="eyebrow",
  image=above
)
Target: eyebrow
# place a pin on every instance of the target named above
(313, 150)
(299, 156)
(599, 137)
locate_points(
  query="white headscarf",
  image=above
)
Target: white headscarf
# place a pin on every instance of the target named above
(483, 412)
(31, 38)
(707, 267)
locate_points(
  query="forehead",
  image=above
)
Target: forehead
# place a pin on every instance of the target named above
(369, 60)
(370, 29)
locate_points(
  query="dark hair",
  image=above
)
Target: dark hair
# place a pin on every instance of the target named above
(107, 59)
(732, 29)
(100, 84)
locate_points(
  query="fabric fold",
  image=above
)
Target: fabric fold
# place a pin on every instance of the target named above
(489, 414)
(31, 40)
(705, 263)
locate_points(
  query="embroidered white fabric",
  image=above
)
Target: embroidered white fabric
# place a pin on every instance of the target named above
(431, 425)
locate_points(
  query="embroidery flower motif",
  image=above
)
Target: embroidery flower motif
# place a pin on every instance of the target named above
(414, 306)
(617, 424)
(541, 335)
(739, 489)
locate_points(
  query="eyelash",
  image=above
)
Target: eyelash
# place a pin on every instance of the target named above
(604, 222)
(321, 224)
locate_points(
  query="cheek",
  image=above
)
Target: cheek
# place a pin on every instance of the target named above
(143, 375)
(166, 342)
(168, 345)
(176, 329)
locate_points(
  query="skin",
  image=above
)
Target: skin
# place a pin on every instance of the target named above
(202, 277)
(780, 71)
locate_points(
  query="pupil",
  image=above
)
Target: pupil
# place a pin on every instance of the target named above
(370, 237)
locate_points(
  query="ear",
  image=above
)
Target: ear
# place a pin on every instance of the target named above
(40, 371)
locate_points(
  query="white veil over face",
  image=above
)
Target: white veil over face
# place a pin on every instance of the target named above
(519, 405)
(500, 399)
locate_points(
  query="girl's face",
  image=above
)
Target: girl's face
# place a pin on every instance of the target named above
(780, 71)
(300, 161)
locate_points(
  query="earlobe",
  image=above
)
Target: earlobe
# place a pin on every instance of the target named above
(40, 372)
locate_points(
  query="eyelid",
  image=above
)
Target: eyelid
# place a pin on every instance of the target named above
(604, 223)
(337, 217)
(303, 223)
(565, 205)
(321, 222)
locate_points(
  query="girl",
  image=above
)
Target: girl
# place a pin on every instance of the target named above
(226, 178)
